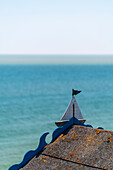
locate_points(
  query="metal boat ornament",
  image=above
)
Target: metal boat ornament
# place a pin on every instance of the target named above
(72, 110)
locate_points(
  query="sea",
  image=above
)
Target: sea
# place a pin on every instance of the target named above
(33, 97)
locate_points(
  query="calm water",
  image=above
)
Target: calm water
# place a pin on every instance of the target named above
(32, 98)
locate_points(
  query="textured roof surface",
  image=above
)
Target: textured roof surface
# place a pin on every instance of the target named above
(78, 148)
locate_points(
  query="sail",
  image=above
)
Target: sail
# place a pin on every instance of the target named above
(69, 112)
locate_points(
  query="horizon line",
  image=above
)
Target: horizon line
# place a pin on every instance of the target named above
(55, 54)
(56, 59)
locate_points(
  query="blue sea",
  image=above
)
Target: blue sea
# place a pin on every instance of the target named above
(33, 97)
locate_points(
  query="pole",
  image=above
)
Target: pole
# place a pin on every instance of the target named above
(73, 110)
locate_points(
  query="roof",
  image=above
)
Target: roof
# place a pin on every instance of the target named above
(78, 147)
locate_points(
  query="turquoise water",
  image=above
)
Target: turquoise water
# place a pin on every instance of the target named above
(33, 97)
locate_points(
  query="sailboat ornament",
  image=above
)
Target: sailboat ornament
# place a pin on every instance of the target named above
(72, 110)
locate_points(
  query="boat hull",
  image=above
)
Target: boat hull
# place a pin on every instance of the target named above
(61, 123)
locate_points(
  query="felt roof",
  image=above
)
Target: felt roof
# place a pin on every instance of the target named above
(78, 147)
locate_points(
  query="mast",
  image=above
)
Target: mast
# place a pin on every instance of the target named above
(73, 110)
(74, 92)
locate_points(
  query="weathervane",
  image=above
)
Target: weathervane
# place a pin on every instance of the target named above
(75, 92)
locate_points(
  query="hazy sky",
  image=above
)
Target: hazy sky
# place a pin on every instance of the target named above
(56, 27)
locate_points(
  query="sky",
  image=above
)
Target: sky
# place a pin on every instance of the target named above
(56, 27)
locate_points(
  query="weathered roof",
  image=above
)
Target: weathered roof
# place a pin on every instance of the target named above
(78, 148)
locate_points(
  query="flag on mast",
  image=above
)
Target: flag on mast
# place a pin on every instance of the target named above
(75, 92)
